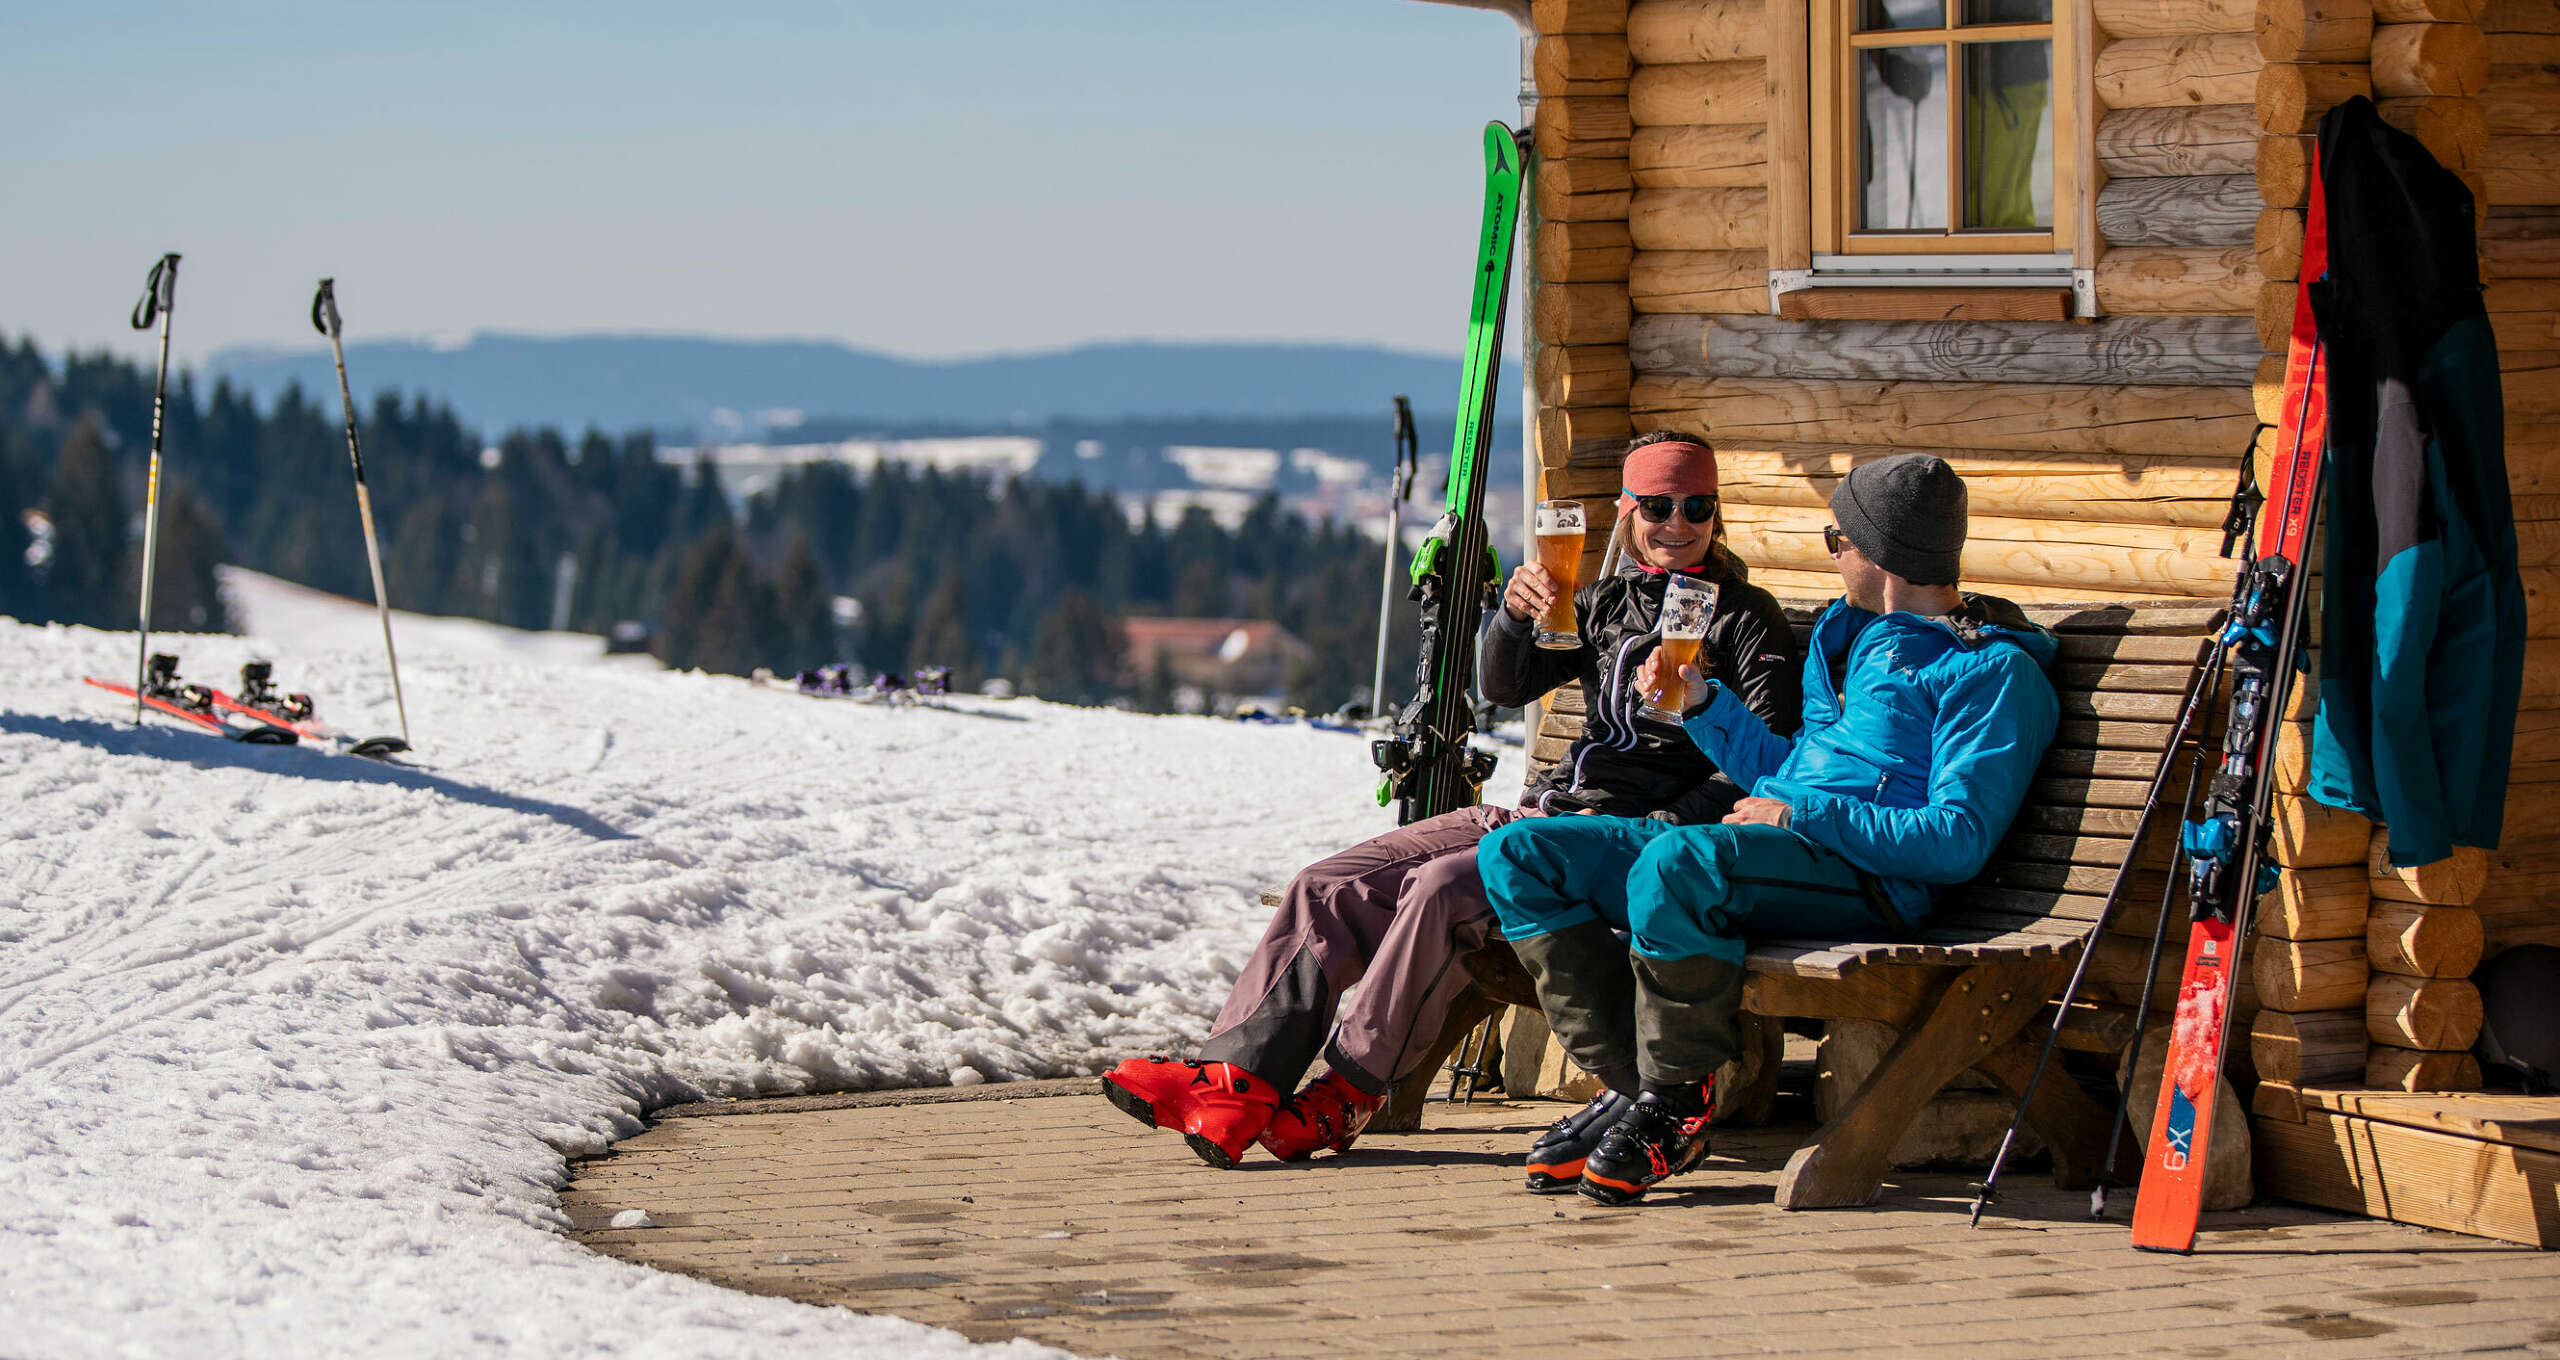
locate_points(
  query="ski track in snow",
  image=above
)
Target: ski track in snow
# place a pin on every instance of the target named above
(294, 1047)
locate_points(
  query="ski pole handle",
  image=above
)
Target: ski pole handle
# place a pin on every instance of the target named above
(324, 309)
(159, 292)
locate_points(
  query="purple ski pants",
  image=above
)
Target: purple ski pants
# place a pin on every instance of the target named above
(1395, 914)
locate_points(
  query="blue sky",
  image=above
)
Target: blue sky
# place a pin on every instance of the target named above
(950, 177)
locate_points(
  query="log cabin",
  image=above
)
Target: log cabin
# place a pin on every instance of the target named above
(2056, 242)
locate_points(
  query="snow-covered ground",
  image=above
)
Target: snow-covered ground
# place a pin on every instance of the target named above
(293, 1046)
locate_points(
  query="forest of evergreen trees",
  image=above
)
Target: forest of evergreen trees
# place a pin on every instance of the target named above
(1019, 578)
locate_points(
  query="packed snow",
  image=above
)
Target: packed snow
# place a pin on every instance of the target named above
(294, 1047)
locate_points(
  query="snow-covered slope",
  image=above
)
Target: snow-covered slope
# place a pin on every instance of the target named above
(292, 1046)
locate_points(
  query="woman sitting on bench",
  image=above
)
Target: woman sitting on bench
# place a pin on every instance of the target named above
(1926, 713)
(1400, 910)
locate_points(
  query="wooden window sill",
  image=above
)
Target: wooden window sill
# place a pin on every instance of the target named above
(1926, 304)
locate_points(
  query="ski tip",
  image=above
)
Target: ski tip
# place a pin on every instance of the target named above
(378, 747)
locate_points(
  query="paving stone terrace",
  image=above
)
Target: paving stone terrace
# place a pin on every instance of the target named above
(1039, 1211)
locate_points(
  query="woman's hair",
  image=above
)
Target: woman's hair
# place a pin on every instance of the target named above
(1721, 557)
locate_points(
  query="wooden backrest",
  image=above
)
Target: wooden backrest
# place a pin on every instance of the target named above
(2123, 672)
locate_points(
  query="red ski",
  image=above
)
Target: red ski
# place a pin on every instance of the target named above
(259, 733)
(2226, 846)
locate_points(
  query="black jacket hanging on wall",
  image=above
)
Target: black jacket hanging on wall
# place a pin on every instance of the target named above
(2422, 653)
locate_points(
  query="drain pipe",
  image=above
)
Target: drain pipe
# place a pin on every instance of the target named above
(1526, 270)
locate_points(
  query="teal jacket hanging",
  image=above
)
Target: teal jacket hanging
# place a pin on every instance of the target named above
(2423, 627)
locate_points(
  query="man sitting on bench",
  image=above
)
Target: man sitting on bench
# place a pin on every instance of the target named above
(1926, 712)
(1396, 913)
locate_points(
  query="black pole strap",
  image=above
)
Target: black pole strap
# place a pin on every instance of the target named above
(159, 293)
(1408, 449)
(324, 309)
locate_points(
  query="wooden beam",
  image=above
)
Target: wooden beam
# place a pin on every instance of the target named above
(1699, 281)
(2437, 1180)
(2453, 130)
(1700, 219)
(1699, 92)
(2284, 171)
(1584, 252)
(2180, 351)
(1789, 95)
(1926, 304)
(2522, 101)
(2276, 244)
(2315, 30)
(2178, 72)
(1583, 375)
(2310, 975)
(1714, 157)
(1579, 16)
(2179, 280)
(2497, 16)
(2422, 941)
(2439, 1015)
(1571, 64)
(2327, 903)
(2312, 835)
(2308, 1046)
(2291, 96)
(2179, 210)
(2183, 492)
(2434, 11)
(2172, 18)
(1581, 314)
(2454, 881)
(2001, 551)
(2138, 420)
(2424, 59)
(1678, 32)
(2408, 1069)
(2521, 170)
(2214, 139)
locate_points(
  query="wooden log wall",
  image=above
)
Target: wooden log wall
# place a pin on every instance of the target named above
(2099, 454)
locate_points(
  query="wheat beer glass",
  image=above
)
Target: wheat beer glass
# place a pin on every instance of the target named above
(1686, 603)
(1560, 552)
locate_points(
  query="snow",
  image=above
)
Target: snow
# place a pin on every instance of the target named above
(294, 1047)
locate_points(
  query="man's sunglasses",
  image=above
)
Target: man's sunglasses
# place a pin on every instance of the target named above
(1695, 509)
(1832, 538)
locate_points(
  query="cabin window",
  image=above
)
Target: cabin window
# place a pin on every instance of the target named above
(1944, 136)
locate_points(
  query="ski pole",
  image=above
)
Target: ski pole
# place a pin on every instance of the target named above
(1408, 462)
(2198, 693)
(324, 316)
(159, 302)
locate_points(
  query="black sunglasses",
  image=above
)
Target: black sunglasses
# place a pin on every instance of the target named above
(1832, 538)
(1696, 509)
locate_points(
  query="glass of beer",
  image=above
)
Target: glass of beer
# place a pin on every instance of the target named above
(1686, 603)
(1560, 552)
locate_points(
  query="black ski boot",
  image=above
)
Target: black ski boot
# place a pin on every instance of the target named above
(1556, 1159)
(1663, 1135)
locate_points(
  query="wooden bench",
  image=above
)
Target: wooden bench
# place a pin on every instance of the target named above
(1996, 953)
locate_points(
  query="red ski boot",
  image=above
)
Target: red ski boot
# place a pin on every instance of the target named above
(1219, 1107)
(1330, 1113)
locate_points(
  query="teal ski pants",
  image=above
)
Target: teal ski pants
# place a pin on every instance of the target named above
(1679, 891)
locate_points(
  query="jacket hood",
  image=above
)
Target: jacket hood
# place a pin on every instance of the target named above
(1986, 619)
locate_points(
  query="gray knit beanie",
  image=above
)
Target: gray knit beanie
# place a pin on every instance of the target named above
(1907, 515)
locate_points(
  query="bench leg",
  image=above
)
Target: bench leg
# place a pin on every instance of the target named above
(1977, 1013)
(1403, 1113)
(2072, 1125)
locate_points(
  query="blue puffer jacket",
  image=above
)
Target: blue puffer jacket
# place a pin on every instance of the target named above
(1918, 775)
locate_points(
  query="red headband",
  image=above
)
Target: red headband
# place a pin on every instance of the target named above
(1674, 467)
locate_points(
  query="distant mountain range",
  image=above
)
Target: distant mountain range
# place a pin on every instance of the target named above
(726, 389)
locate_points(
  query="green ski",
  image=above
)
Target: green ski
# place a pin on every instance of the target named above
(1429, 765)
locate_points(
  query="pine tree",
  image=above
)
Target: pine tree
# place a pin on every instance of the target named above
(1075, 658)
(942, 634)
(806, 627)
(17, 496)
(91, 525)
(188, 595)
